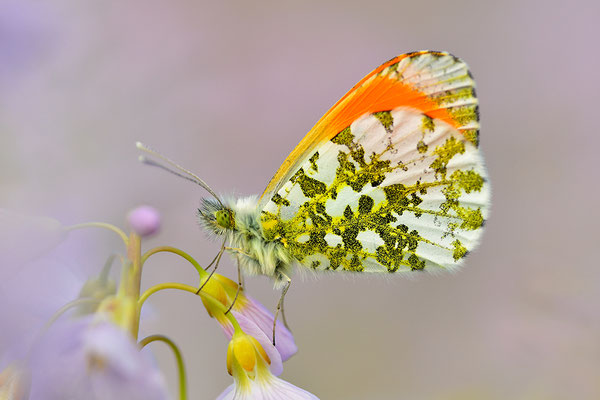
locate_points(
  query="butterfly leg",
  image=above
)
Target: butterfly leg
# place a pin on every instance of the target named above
(283, 316)
(239, 251)
(280, 304)
(239, 288)
(215, 261)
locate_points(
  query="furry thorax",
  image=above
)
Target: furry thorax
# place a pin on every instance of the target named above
(245, 238)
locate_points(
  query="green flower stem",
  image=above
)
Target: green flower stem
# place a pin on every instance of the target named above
(134, 254)
(107, 266)
(191, 289)
(104, 225)
(181, 253)
(178, 357)
(70, 305)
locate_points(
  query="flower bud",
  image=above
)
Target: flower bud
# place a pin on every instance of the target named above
(214, 289)
(245, 351)
(144, 220)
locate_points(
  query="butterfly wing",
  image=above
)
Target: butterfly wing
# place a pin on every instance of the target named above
(391, 178)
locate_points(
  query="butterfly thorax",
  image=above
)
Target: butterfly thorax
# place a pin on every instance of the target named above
(239, 221)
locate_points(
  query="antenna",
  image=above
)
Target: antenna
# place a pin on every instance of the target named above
(190, 176)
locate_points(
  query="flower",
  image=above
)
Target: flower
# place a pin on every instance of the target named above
(252, 312)
(251, 329)
(25, 237)
(38, 277)
(248, 363)
(92, 359)
(144, 220)
(33, 278)
(263, 318)
(14, 383)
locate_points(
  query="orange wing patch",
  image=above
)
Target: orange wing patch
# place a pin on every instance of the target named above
(435, 83)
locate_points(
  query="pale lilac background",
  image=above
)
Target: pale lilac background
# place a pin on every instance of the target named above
(228, 88)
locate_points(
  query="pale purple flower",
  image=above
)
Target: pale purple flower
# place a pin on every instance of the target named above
(24, 238)
(82, 359)
(144, 220)
(248, 363)
(39, 274)
(32, 279)
(271, 388)
(250, 328)
(263, 318)
(91, 360)
(255, 312)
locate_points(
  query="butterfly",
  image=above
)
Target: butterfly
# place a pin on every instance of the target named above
(389, 180)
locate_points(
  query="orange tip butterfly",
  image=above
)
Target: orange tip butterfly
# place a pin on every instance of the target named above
(389, 180)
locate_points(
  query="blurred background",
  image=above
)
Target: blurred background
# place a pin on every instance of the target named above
(228, 88)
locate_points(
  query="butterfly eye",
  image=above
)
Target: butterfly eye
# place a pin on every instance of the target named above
(225, 218)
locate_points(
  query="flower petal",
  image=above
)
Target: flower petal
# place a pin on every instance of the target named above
(250, 328)
(262, 317)
(25, 237)
(271, 388)
(280, 389)
(284, 340)
(228, 393)
(95, 361)
(50, 284)
(30, 258)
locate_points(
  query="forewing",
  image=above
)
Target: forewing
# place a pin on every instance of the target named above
(394, 190)
(436, 83)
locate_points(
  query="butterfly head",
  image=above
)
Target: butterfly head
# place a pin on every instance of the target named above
(216, 217)
(225, 218)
